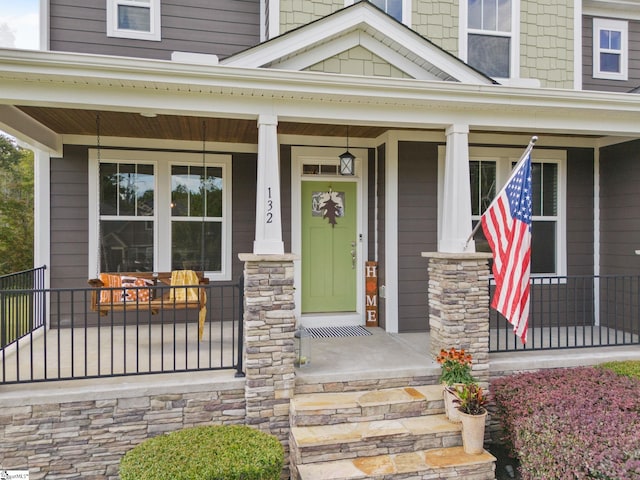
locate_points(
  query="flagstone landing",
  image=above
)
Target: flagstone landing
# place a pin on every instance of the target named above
(453, 460)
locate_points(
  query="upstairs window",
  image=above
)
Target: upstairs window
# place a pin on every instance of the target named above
(398, 9)
(610, 49)
(392, 7)
(488, 44)
(137, 19)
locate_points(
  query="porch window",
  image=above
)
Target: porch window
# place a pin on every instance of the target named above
(137, 19)
(127, 192)
(162, 211)
(196, 217)
(488, 41)
(547, 229)
(610, 49)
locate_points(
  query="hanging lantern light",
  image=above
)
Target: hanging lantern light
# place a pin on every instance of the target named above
(347, 160)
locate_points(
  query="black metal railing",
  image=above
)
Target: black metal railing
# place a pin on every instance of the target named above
(139, 337)
(22, 305)
(574, 312)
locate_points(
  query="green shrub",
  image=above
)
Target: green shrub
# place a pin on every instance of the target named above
(628, 368)
(220, 452)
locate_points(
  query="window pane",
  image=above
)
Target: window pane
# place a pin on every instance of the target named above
(474, 173)
(108, 189)
(145, 186)
(196, 191)
(196, 246)
(543, 247)
(488, 185)
(126, 246)
(483, 181)
(475, 14)
(615, 40)
(134, 18)
(394, 8)
(213, 190)
(489, 15)
(489, 54)
(604, 39)
(549, 189)
(536, 188)
(504, 15)
(179, 191)
(126, 189)
(609, 62)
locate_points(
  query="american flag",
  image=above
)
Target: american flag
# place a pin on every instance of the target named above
(507, 226)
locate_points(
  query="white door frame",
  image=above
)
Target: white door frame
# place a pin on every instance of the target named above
(329, 155)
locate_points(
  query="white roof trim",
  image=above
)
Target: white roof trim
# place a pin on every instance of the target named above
(370, 22)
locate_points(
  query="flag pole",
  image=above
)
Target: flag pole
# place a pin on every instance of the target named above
(527, 150)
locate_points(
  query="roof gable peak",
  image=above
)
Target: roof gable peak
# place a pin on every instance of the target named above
(359, 25)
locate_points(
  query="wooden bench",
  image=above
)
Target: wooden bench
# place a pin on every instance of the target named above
(159, 285)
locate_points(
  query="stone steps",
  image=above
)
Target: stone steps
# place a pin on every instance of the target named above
(385, 404)
(395, 433)
(378, 437)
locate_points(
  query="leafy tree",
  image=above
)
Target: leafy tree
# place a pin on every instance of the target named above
(16, 207)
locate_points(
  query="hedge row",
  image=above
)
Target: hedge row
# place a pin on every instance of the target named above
(580, 423)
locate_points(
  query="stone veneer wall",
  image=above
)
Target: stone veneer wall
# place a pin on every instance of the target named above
(81, 430)
(269, 327)
(459, 306)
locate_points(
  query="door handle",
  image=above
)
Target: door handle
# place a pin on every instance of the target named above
(353, 255)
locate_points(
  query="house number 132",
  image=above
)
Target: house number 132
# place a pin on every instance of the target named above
(269, 206)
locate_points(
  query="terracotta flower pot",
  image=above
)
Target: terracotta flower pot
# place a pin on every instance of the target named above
(449, 405)
(473, 432)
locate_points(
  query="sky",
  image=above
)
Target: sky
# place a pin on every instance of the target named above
(19, 24)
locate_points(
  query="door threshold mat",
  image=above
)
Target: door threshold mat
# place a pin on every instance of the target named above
(330, 332)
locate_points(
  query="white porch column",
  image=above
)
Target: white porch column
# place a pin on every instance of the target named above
(456, 204)
(268, 238)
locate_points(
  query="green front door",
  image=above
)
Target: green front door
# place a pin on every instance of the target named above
(329, 246)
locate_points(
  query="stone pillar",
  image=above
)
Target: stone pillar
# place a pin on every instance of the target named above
(459, 306)
(269, 350)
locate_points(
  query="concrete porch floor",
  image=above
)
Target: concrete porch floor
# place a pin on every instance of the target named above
(381, 355)
(395, 355)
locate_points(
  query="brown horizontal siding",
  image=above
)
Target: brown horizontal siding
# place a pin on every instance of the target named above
(417, 229)
(381, 179)
(244, 209)
(619, 212)
(580, 204)
(69, 218)
(221, 28)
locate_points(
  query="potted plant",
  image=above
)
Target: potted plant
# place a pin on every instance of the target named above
(456, 371)
(470, 402)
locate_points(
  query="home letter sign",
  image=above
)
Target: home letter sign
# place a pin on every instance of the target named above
(371, 287)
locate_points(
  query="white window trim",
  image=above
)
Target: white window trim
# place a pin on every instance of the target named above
(616, 25)
(504, 157)
(162, 162)
(153, 34)
(406, 10)
(514, 60)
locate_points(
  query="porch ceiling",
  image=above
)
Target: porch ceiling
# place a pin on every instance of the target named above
(66, 121)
